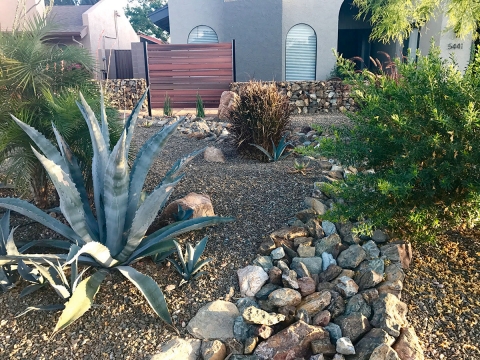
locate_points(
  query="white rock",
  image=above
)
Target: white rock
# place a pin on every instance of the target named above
(345, 346)
(213, 154)
(251, 279)
(214, 321)
(178, 348)
(327, 260)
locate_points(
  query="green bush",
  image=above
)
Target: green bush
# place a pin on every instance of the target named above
(420, 132)
(167, 106)
(260, 116)
(200, 107)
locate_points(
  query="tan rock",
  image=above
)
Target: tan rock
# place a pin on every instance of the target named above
(213, 154)
(408, 346)
(213, 350)
(199, 203)
(384, 352)
(227, 103)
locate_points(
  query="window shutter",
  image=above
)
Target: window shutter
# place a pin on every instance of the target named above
(202, 35)
(301, 53)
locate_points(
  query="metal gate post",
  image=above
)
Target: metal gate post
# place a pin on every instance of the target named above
(147, 77)
(233, 62)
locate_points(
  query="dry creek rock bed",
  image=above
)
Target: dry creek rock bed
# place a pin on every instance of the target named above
(262, 197)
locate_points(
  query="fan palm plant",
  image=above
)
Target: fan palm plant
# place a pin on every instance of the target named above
(36, 76)
(116, 237)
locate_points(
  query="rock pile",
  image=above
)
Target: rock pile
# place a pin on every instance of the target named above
(316, 290)
(124, 94)
(209, 128)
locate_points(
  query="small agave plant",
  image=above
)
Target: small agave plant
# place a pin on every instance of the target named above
(189, 265)
(115, 237)
(277, 151)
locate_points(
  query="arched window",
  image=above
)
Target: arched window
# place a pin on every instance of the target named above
(202, 35)
(301, 53)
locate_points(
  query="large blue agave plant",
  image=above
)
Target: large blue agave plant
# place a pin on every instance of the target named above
(115, 237)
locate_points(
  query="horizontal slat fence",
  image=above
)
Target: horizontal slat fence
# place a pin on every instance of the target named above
(182, 71)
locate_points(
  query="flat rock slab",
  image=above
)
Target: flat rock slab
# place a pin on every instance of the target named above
(290, 343)
(214, 321)
(178, 348)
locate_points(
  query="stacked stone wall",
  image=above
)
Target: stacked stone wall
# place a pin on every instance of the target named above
(311, 97)
(123, 94)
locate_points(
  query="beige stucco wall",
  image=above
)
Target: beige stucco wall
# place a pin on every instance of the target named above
(27, 10)
(108, 28)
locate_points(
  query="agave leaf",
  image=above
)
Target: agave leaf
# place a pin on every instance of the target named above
(270, 158)
(43, 144)
(73, 265)
(200, 265)
(53, 243)
(163, 255)
(61, 290)
(40, 259)
(199, 249)
(79, 278)
(5, 281)
(180, 255)
(152, 243)
(164, 250)
(77, 178)
(132, 119)
(178, 165)
(274, 150)
(27, 273)
(57, 270)
(116, 195)
(177, 266)
(25, 208)
(52, 307)
(99, 162)
(145, 157)
(70, 201)
(4, 232)
(144, 217)
(98, 251)
(31, 289)
(190, 255)
(150, 290)
(10, 246)
(81, 300)
(103, 114)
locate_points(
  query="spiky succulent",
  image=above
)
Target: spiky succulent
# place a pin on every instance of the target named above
(189, 265)
(114, 238)
(277, 152)
(7, 247)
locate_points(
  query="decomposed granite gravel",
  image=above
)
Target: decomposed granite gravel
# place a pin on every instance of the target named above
(441, 289)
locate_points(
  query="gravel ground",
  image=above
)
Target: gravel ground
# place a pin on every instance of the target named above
(262, 197)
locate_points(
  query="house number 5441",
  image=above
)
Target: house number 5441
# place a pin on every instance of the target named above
(454, 46)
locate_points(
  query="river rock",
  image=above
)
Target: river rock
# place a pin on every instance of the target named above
(285, 297)
(389, 314)
(213, 350)
(178, 348)
(251, 279)
(214, 321)
(290, 343)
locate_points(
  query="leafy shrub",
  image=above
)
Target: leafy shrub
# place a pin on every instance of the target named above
(260, 116)
(115, 237)
(419, 132)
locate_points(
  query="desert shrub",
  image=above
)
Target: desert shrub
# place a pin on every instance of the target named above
(260, 116)
(419, 132)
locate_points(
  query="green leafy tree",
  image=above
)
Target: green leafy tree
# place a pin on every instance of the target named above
(394, 19)
(419, 131)
(137, 12)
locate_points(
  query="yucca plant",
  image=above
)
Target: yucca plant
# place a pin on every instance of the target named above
(277, 151)
(115, 237)
(167, 106)
(189, 265)
(200, 108)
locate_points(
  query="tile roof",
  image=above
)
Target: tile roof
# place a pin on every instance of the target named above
(68, 18)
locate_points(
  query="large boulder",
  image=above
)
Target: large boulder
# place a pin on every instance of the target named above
(178, 348)
(290, 343)
(201, 205)
(227, 103)
(214, 321)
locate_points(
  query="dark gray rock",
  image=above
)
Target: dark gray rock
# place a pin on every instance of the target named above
(327, 244)
(300, 269)
(263, 293)
(367, 279)
(246, 302)
(369, 342)
(331, 273)
(242, 330)
(265, 262)
(334, 331)
(290, 280)
(353, 326)
(337, 304)
(313, 264)
(398, 252)
(371, 249)
(389, 314)
(352, 257)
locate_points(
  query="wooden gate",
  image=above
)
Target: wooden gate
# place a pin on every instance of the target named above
(123, 63)
(182, 71)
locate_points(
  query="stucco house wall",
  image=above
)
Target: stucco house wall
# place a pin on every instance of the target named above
(27, 10)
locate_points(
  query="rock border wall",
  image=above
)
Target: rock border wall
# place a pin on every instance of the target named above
(123, 94)
(311, 97)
